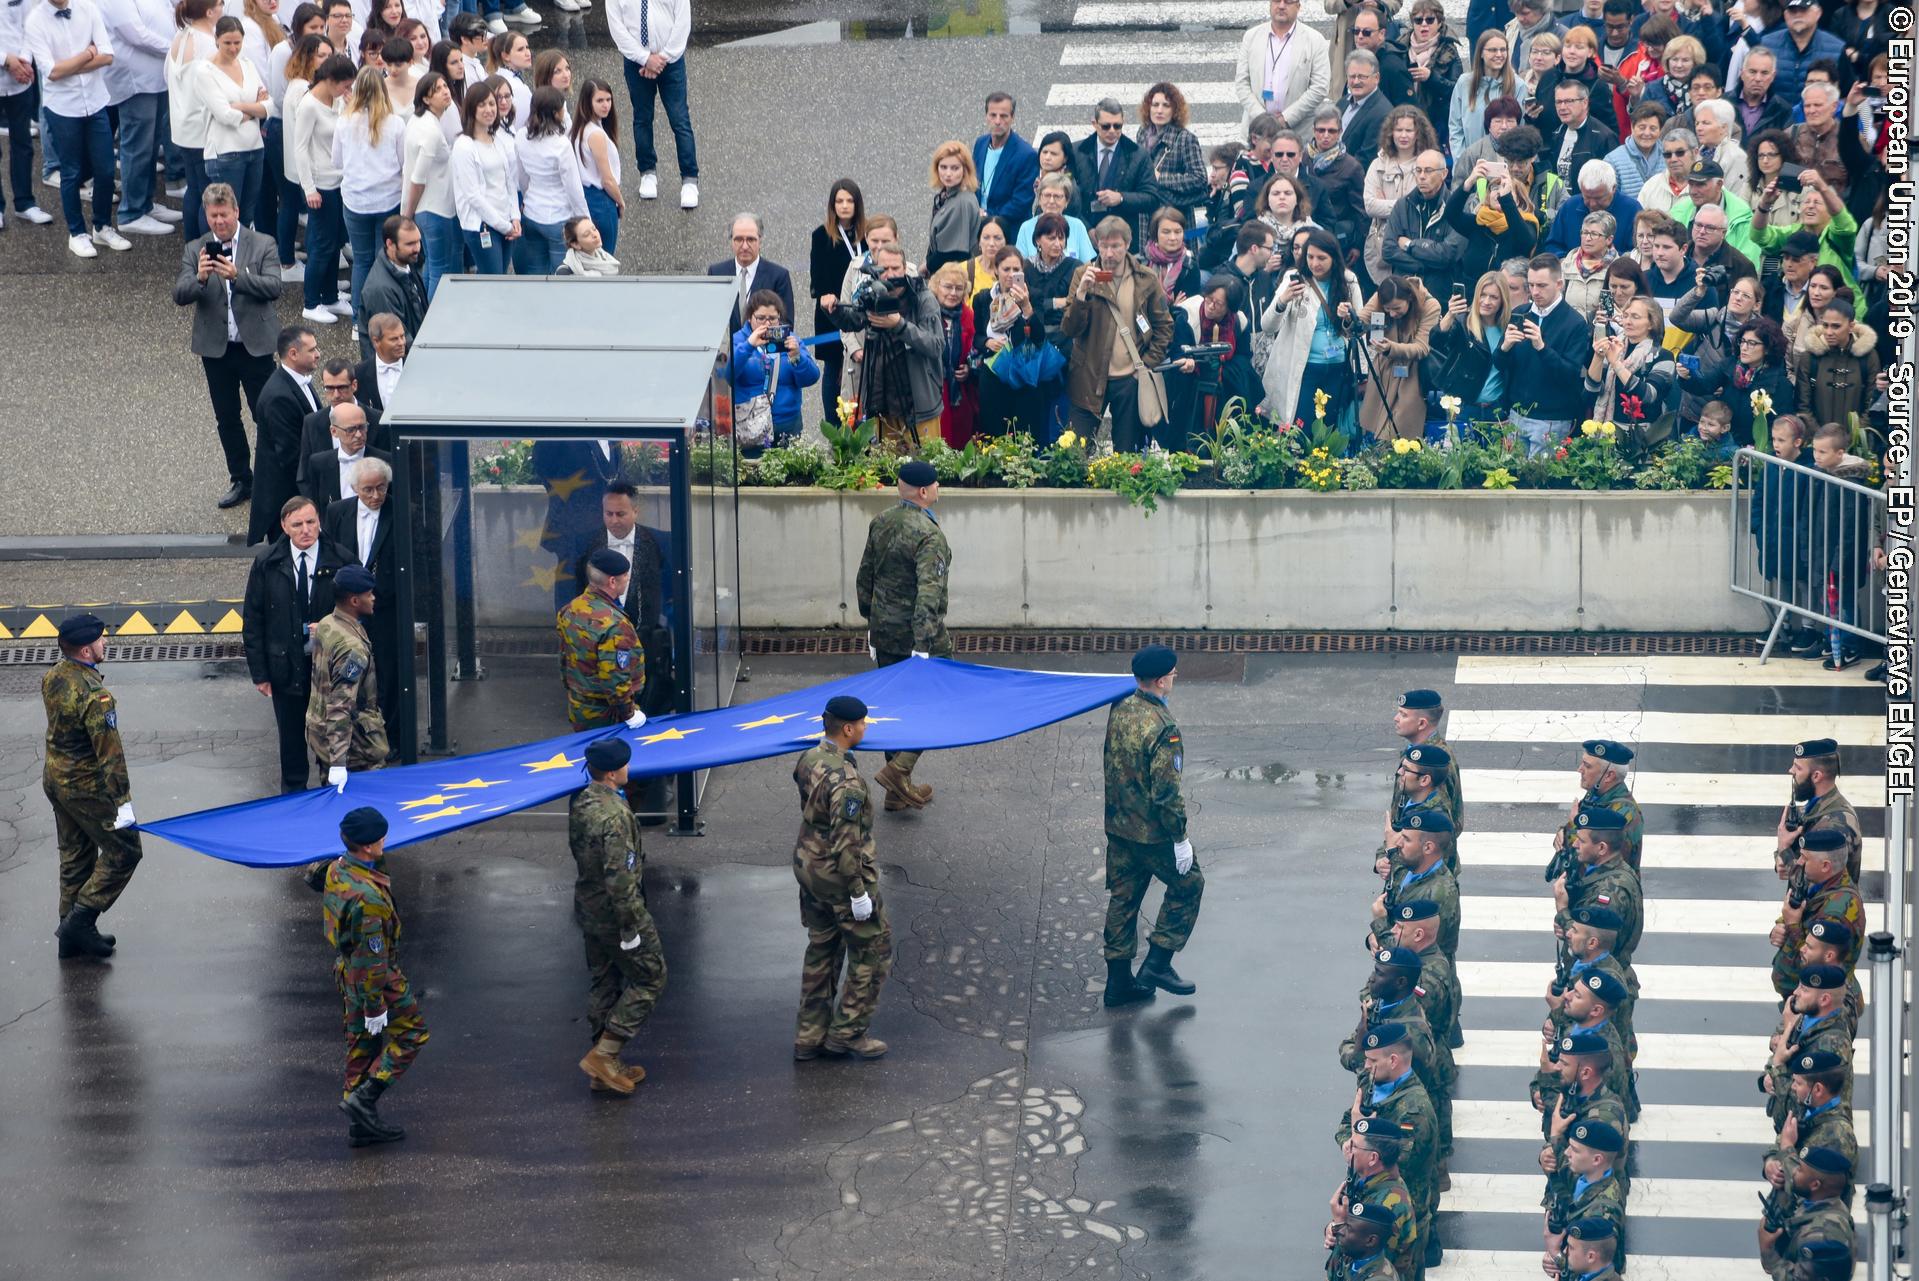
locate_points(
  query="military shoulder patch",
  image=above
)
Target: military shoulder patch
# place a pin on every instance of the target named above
(851, 806)
(632, 859)
(113, 719)
(1179, 762)
(352, 670)
(375, 945)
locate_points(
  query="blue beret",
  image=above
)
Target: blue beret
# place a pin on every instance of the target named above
(1418, 910)
(351, 580)
(844, 707)
(1599, 1136)
(1371, 1212)
(1385, 1036)
(1827, 1161)
(1605, 987)
(1428, 757)
(1823, 978)
(1420, 700)
(1815, 747)
(1600, 918)
(1383, 1127)
(1825, 840)
(1398, 958)
(605, 755)
(1815, 1061)
(1607, 750)
(1597, 818)
(919, 473)
(81, 629)
(1580, 1041)
(1590, 1229)
(609, 562)
(363, 826)
(1836, 933)
(1153, 662)
(1427, 822)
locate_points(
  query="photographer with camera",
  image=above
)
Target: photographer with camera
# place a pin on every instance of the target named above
(1311, 320)
(903, 344)
(1211, 361)
(1712, 367)
(1120, 325)
(1399, 319)
(1007, 316)
(770, 371)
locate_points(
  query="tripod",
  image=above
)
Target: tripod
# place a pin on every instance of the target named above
(1364, 369)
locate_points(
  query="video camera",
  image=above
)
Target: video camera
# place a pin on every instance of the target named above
(1206, 353)
(875, 295)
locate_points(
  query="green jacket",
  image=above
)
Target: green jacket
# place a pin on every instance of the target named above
(1838, 900)
(1738, 224)
(833, 857)
(902, 582)
(1387, 1188)
(1835, 250)
(1834, 810)
(1619, 799)
(1410, 1105)
(1828, 1220)
(606, 853)
(344, 724)
(1143, 761)
(1611, 884)
(85, 759)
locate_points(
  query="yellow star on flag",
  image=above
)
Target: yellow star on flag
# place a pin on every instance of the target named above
(435, 799)
(667, 736)
(566, 487)
(542, 578)
(445, 812)
(559, 760)
(874, 720)
(768, 720)
(474, 783)
(530, 538)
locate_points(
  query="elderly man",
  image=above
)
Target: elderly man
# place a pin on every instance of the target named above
(1732, 227)
(1419, 241)
(1716, 262)
(1364, 108)
(1801, 46)
(1395, 73)
(359, 531)
(1758, 106)
(1005, 162)
(1822, 142)
(1678, 148)
(339, 385)
(1598, 193)
(1712, 122)
(329, 472)
(1284, 67)
(1336, 180)
(1579, 137)
(751, 272)
(1636, 160)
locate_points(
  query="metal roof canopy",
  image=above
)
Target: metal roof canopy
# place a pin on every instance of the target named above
(558, 357)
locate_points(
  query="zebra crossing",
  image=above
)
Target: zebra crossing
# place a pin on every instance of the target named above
(1711, 739)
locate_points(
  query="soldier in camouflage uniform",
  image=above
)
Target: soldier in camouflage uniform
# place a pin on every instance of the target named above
(839, 894)
(1819, 1118)
(1372, 1154)
(1584, 1065)
(1394, 994)
(1146, 834)
(1814, 1019)
(384, 1027)
(902, 596)
(85, 779)
(346, 731)
(1416, 719)
(1820, 1214)
(1591, 934)
(1602, 772)
(623, 955)
(1594, 1151)
(1362, 1245)
(1591, 1245)
(1822, 1261)
(1417, 790)
(1830, 943)
(1416, 927)
(1816, 803)
(601, 662)
(1600, 877)
(1396, 1094)
(1829, 896)
(1417, 870)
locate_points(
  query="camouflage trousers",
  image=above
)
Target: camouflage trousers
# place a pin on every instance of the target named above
(1130, 869)
(866, 949)
(625, 985)
(386, 1056)
(96, 862)
(902, 761)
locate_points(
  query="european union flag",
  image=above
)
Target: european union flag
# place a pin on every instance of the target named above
(922, 704)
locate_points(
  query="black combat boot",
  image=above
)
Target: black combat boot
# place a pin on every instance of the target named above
(1122, 988)
(79, 937)
(1159, 972)
(363, 1112)
(1435, 1248)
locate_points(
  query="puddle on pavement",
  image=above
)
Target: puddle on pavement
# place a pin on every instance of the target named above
(1278, 774)
(769, 26)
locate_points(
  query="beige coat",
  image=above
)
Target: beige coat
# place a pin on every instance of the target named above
(1405, 396)
(1306, 90)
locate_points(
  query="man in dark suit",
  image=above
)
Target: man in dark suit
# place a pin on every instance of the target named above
(359, 531)
(1110, 169)
(751, 272)
(1364, 108)
(1544, 358)
(576, 474)
(289, 588)
(1006, 164)
(329, 474)
(379, 374)
(1580, 137)
(284, 403)
(339, 385)
(231, 279)
(394, 285)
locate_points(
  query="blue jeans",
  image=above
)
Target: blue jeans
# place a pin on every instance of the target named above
(243, 171)
(86, 151)
(670, 86)
(363, 233)
(176, 158)
(1541, 434)
(540, 247)
(16, 112)
(279, 207)
(49, 153)
(326, 230)
(139, 139)
(606, 216)
(491, 7)
(193, 219)
(440, 242)
(489, 259)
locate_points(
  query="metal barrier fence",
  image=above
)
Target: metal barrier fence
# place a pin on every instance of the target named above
(1808, 549)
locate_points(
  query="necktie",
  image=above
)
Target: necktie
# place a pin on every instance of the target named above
(646, 37)
(1105, 168)
(300, 584)
(745, 281)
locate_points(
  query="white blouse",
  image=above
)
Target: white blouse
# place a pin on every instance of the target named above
(310, 144)
(428, 162)
(550, 177)
(185, 112)
(370, 168)
(589, 167)
(484, 177)
(228, 128)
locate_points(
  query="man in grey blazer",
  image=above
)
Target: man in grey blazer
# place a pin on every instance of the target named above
(231, 279)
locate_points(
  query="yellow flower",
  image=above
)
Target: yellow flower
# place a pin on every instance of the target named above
(1607, 430)
(1068, 440)
(1498, 478)
(1589, 428)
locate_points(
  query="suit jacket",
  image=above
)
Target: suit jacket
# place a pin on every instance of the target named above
(572, 509)
(399, 293)
(1011, 195)
(1127, 176)
(276, 458)
(316, 435)
(272, 619)
(256, 288)
(1595, 142)
(1361, 138)
(340, 536)
(770, 275)
(1306, 88)
(321, 475)
(366, 373)
(1556, 373)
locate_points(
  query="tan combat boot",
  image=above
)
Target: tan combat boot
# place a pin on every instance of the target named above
(867, 1047)
(898, 787)
(603, 1067)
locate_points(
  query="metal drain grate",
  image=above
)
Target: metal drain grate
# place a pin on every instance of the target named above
(1276, 643)
(41, 655)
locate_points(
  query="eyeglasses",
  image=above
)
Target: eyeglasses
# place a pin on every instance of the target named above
(1287, 155)
(1425, 19)
(1674, 155)
(1114, 127)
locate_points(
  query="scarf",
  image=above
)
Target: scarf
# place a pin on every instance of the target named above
(1225, 330)
(1418, 53)
(1149, 135)
(1323, 160)
(1168, 266)
(1742, 375)
(1680, 93)
(999, 323)
(597, 263)
(954, 324)
(1607, 407)
(1493, 218)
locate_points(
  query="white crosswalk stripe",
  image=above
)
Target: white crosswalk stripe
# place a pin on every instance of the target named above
(1651, 1198)
(1522, 1265)
(1489, 669)
(1133, 53)
(1171, 13)
(1657, 1123)
(1663, 852)
(1469, 725)
(1747, 984)
(1658, 1051)
(1654, 787)
(1741, 917)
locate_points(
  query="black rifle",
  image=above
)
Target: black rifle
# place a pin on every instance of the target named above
(1797, 891)
(1562, 978)
(1772, 1213)
(1562, 1265)
(1559, 1212)
(1561, 864)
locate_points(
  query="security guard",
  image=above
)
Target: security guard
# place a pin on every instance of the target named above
(1816, 802)
(902, 595)
(384, 1026)
(839, 894)
(1827, 896)
(601, 663)
(85, 778)
(1146, 834)
(623, 957)
(346, 731)
(1602, 772)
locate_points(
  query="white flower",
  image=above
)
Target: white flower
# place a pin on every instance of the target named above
(1761, 401)
(1450, 404)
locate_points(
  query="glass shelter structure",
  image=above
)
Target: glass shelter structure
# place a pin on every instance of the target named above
(535, 417)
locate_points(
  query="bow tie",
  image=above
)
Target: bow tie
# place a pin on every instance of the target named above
(63, 13)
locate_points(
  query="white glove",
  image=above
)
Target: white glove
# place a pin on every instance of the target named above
(637, 719)
(336, 778)
(920, 653)
(627, 945)
(871, 652)
(1182, 857)
(123, 817)
(862, 907)
(376, 1023)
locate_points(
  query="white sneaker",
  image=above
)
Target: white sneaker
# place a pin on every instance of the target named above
(148, 225)
(36, 215)
(649, 186)
(86, 190)
(319, 316)
(689, 195)
(340, 307)
(496, 24)
(524, 16)
(177, 192)
(567, 6)
(293, 275)
(112, 239)
(166, 215)
(82, 247)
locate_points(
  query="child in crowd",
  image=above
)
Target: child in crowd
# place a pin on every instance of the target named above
(1715, 428)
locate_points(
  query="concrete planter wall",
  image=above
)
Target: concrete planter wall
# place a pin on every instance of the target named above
(1286, 560)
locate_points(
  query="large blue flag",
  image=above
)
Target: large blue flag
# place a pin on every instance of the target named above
(920, 704)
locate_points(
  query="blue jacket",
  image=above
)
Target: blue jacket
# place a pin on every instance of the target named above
(1563, 236)
(749, 377)
(1011, 195)
(1791, 76)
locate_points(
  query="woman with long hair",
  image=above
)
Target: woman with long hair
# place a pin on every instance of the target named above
(551, 191)
(369, 149)
(595, 133)
(448, 61)
(309, 52)
(234, 97)
(186, 118)
(310, 162)
(1007, 316)
(838, 241)
(279, 202)
(1175, 169)
(429, 182)
(1465, 343)
(1311, 319)
(956, 210)
(1055, 156)
(1393, 404)
(1491, 77)
(1284, 204)
(1403, 134)
(510, 58)
(484, 190)
(993, 237)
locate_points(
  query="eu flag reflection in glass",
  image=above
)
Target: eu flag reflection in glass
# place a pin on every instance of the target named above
(924, 704)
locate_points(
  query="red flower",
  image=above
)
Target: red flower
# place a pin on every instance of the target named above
(1631, 407)
(1136, 467)
(1559, 455)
